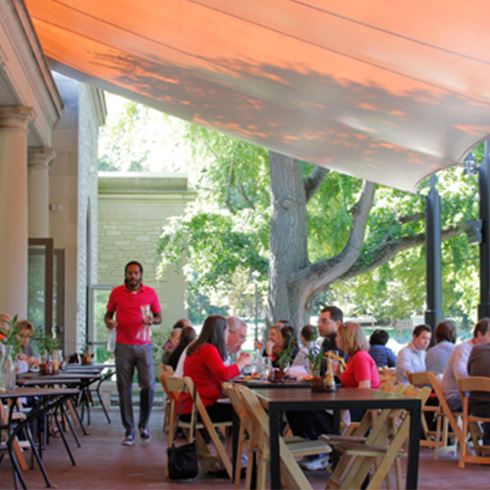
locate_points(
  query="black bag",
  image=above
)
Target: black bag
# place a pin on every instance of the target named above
(182, 460)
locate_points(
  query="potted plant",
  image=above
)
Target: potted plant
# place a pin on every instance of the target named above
(285, 358)
(10, 346)
(315, 357)
(47, 345)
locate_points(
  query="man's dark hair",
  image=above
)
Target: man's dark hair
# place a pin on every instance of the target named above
(309, 332)
(180, 324)
(133, 262)
(335, 313)
(379, 337)
(482, 327)
(421, 328)
(445, 331)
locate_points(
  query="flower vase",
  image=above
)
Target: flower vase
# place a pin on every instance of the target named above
(7, 370)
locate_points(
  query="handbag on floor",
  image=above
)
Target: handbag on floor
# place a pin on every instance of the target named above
(182, 460)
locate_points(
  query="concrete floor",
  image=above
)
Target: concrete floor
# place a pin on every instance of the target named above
(102, 463)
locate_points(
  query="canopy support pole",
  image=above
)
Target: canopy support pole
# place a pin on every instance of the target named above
(433, 313)
(484, 185)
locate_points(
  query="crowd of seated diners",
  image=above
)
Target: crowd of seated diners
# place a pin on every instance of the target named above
(206, 359)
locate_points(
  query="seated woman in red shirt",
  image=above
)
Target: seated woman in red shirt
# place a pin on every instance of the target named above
(204, 364)
(361, 370)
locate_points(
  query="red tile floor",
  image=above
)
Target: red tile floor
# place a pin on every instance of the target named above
(102, 463)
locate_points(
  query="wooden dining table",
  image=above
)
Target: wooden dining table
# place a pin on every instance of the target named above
(46, 400)
(293, 399)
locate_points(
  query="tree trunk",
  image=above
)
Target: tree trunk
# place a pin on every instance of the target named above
(288, 235)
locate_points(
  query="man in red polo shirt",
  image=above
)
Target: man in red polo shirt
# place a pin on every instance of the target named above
(136, 307)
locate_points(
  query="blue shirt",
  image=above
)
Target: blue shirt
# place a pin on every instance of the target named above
(382, 355)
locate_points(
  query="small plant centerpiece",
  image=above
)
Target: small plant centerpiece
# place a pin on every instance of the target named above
(47, 345)
(285, 358)
(10, 346)
(316, 358)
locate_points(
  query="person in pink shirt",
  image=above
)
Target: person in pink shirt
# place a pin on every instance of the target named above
(136, 308)
(204, 364)
(361, 370)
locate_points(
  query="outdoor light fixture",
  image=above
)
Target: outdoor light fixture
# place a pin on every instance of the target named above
(470, 165)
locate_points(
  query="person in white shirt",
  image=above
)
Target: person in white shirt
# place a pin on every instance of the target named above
(308, 336)
(412, 357)
(438, 355)
(457, 364)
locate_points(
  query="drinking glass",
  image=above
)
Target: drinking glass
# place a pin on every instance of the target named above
(144, 331)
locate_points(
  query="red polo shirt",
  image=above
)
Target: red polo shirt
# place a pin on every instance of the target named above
(127, 306)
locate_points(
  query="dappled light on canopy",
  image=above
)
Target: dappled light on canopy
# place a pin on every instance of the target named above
(387, 91)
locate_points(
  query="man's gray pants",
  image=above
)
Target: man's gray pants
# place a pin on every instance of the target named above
(127, 358)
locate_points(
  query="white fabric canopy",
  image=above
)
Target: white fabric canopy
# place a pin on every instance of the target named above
(387, 91)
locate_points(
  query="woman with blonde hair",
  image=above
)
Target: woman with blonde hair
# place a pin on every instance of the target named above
(361, 370)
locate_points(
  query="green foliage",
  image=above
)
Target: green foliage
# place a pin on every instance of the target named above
(11, 335)
(45, 342)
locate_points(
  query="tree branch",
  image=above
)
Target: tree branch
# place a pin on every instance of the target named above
(230, 183)
(410, 218)
(317, 275)
(313, 182)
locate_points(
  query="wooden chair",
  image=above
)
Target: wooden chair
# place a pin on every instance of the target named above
(291, 474)
(209, 462)
(298, 446)
(376, 445)
(447, 427)
(466, 386)
(432, 438)
(166, 371)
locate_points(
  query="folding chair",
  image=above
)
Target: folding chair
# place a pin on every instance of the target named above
(466, 386)
(166, 371)
(298, 446)
(291, 474)
(375, 450)
(209, 462)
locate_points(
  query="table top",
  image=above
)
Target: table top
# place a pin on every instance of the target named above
(61, 376)
(88, 367)
(28, 392)
(294, 398)
(264, 383)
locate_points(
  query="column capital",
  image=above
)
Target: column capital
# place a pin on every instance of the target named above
(15, 117)
(40, 157)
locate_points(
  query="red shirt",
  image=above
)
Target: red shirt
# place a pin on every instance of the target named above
(127, 306)
(360, 367)
(208, 371)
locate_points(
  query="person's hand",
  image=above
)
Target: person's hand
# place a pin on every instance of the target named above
(258, 345)
(110, 324)
(148, 320)
(244, 360)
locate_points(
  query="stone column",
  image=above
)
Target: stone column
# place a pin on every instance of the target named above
(38, 187)
(13, 209)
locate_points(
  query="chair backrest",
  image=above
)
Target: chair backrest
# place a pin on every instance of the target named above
(419, 379)
(167, 369)
(291, 473)
(473, 383)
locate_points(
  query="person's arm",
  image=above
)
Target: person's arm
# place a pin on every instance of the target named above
(109, 322)
(365, 383)
(362, 371)
(391, 358)
(157, 318)
(461, 364)
(216, 364)
(403, 364)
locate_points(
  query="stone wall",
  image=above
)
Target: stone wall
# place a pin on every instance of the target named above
(73, 198)
(132, 210)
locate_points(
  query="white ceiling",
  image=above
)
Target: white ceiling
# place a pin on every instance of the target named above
(386, 91)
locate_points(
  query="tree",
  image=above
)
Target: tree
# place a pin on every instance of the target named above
(307, 253)
(312, 235)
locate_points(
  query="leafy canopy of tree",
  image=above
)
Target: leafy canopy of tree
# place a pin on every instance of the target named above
(224, 235)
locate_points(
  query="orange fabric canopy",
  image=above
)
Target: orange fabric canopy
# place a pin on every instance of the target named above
(386, 91)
